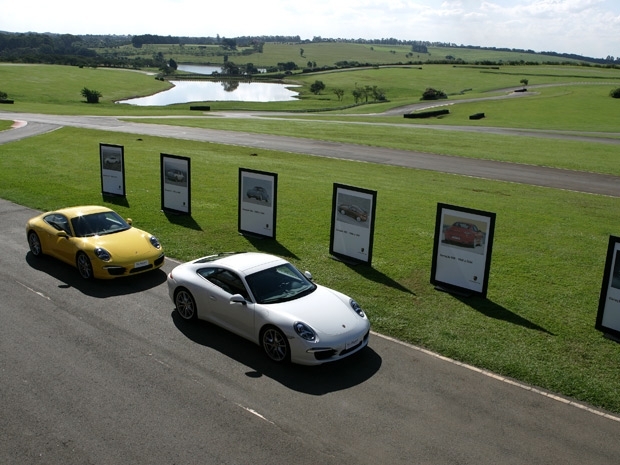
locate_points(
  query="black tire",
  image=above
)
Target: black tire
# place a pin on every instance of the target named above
(35, 244)
(185, 304)
(84, 266)
(275, 345)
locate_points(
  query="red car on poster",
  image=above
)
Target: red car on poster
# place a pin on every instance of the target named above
(465, 234)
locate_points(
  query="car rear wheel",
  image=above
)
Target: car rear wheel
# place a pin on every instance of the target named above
(275, 345)
(35, 244)
(185, 304)
(85, 268)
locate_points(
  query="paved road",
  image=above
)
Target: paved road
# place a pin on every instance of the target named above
(105, 373)
(511, 172)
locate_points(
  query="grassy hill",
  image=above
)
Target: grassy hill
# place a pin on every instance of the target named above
(327, 54)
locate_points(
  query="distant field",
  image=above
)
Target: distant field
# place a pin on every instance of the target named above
(324, 54)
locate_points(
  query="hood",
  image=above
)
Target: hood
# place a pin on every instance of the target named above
(125, 244)
(326, 311)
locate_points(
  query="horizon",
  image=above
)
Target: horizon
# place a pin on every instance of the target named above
(588, 28)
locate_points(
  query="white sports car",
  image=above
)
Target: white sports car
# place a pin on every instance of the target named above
(265, 299)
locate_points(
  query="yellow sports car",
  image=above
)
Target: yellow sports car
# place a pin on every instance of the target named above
(96, 240)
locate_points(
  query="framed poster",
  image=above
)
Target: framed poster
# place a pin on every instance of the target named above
(112, 158)
(462, 250)
(608, 316)
(353, 223)
(258, 192)
(175, 184)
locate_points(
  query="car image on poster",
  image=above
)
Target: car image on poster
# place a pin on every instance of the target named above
(352, 231)
(462, 249)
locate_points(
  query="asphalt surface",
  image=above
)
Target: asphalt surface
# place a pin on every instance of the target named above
(105, 372)
(511, 172)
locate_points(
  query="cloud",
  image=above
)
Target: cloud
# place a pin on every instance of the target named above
(586, 27)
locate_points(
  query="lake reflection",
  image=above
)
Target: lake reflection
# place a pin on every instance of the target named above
(209, 91)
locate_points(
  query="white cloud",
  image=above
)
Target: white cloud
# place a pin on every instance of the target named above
(586, 27)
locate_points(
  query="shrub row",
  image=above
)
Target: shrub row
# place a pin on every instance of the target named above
(427, 114)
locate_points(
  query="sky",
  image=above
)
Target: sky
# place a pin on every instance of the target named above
(584, 27)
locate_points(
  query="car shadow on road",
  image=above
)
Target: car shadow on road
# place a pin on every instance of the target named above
(313, 380)
(99, 288)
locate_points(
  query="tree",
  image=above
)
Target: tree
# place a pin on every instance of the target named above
(378, 95)
(91, 96)
(317, 87)
(229, 44)
(251, 69)
(339, 93)
(230, 68)
(358, 94)
(615, 93)
(524, 82)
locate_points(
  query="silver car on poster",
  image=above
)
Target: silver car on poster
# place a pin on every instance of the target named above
(265, 299)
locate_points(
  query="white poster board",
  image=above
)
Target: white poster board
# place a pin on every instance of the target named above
(462, 249)
(257, 203)
(175, 184)
(353, 223)
(112, 159)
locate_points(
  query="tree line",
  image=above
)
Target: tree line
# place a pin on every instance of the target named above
(72, 49)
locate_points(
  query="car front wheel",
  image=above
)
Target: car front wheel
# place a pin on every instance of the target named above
(185, 304)
(85, 268)
(275, 345)
(35, 244)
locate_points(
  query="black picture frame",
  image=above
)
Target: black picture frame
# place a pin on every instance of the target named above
(112, 163)
(608, 314)
(462, 250)
(257, 204)
(176, 184)
(353, 223)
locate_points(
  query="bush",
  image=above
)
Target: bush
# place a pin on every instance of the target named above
(615, 93)
(433, 94)
(92, 96)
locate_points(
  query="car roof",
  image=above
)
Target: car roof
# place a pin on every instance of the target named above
(81, 210)
(244, 262)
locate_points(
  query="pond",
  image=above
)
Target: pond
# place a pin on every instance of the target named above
(212, 91)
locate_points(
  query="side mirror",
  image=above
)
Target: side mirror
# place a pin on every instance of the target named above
(237, 299)
(62, 234)
(129, 221)
(308, 275)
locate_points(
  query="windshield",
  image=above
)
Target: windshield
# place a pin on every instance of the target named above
(98, 224)
(279, 284)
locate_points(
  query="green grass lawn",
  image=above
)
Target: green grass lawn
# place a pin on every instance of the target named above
(537, 324)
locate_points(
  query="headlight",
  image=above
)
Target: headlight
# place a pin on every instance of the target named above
(355, 306)
(154, 242)
(102, 254)
(304, 331)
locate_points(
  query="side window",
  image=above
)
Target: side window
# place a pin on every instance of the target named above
(58, 222)
(226, 280)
